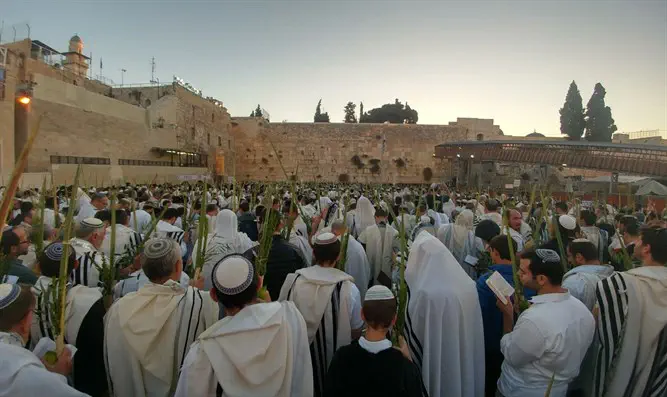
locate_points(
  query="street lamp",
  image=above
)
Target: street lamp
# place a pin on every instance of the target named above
(24, 100)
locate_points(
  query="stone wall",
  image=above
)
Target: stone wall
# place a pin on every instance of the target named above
(387, 153)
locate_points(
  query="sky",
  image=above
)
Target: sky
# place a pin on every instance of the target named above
(508, 60)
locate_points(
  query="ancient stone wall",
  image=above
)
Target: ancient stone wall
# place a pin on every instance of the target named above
(373, 153)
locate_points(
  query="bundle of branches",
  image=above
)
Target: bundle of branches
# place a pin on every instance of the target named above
(342, 261)
(271, 222)
(57, 290)
(518, 287)
(39, 223)
(400, 290)
(202, 234)
(108, 270)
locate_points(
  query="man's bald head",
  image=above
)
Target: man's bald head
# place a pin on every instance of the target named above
(338, 227)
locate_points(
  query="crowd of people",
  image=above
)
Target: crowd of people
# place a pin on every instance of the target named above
(367, 291)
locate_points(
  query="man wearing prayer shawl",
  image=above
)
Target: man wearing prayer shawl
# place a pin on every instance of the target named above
(84, 320)
(633, 345)
(299, 234)
(88, 208)
(330, 303)
(127, 240)
(224, 239)
(22, 373)
(89, 236)
(165, 228)
(143, 221)
(443, 321)
(381, 242)
(363, 216)
(356, 263)
(148, 332)
(371, 367)
(257, 349)
(50, 215)
(461, 241)
(597, 236)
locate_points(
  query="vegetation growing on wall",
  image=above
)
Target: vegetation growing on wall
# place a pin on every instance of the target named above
(375, 166)
(265, 160)
(343, 178)
(356, 160)
(400, 163)
(427, 173)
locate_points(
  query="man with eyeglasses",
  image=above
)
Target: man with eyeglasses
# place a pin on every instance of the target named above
(15, 242)
(632, 323)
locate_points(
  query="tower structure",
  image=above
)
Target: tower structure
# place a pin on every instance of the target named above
(75, 61)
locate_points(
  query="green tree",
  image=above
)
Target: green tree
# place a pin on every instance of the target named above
(572, 120)
(599, 123)
(319, 116)
(350, 113)
(394, 113)
(361, 112)
(257, 112)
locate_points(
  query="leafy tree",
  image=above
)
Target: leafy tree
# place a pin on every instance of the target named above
(395, 113)
(257, 112)
(599, 123)
(572, 120)
(319, 116)
(350, 113)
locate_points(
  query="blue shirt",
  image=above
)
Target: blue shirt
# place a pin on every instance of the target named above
(491, 316)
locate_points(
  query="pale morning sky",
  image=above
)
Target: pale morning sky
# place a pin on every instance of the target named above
(507, 60)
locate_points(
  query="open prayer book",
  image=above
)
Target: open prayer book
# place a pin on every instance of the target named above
(500, 287)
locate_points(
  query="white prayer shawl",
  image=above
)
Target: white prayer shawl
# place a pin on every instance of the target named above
(364, 216)
(299, 237)
(379, 249)
(633, 346)
(309, 210)
(166, 230)
(436, 218)
(147, 335)
(261, 351)
(441, 296)
(462, 243)
(89, 259)
(79, 300)
(357, 266)
(448, 207)
(50, 217)
(410, 223)
(143, 221)
(224, 240)
(494, 216)
(321, 295)
(127, 242)
(23, 374)
(137, 280)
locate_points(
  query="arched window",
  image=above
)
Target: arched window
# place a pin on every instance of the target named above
(480, 137)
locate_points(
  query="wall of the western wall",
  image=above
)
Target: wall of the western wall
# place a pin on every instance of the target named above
(78, 122)
(325, 151)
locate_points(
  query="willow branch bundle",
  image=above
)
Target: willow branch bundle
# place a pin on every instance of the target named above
(342, 261)
(185, 213)
(202, 234)
(518, 287)
(401, 293)
(21, 162)
(271, 222)
(61, 284)
(151, 229)
(39, 238)
(108, 268)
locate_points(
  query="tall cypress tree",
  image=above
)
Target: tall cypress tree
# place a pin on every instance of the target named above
(599, 123)
(361, 112)
(572, 120)
(350, 113)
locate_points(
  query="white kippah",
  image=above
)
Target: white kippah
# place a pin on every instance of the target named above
(325, 238)
(92, 222)
(378, 293)
(581, 240)
(8, 294)
(233, 274)
(425, 219)
(568, 222)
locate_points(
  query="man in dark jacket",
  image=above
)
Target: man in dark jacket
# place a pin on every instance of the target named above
(247, 221)
(284, 258)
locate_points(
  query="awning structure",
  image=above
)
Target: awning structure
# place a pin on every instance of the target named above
(181, 157)
(652, 188)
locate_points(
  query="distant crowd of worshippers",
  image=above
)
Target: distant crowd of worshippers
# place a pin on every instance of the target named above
(593, 277)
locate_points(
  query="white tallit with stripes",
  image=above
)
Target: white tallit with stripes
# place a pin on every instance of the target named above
(443, 321)
(166, 230)
(632, 331)
(147, 335)
(321, 295)
(79, 301)
(127, 242)
(89, 259)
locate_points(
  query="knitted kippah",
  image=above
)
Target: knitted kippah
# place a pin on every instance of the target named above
(8, 294)
(325, 239)
(233, 274)
(54, 251)
(92, 222)
(377, 293)
(548, 256)
(157, 248)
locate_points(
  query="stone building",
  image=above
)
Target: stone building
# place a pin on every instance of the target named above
(152, 132)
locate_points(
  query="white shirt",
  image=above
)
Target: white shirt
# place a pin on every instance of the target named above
(552, 336)
(374, 347)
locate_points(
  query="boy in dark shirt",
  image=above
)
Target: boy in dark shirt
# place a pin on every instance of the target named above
(370, 366)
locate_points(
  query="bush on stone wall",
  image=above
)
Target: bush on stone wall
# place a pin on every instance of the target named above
(356, 160)
(375, 166)
(427, 173)
(343, 178)
(265, 160)
(400, 163)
